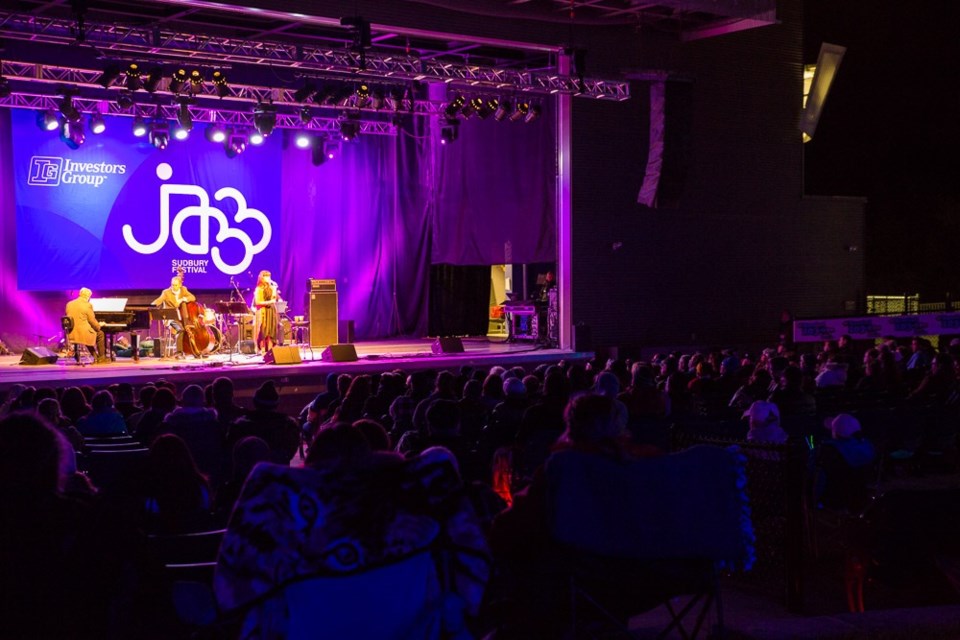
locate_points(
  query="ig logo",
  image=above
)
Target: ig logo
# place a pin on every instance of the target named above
(206, 213)
(45, 171)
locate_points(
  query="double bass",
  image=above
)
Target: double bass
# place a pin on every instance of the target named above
(196, 337)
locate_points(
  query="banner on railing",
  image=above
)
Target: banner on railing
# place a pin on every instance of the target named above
(872, 327)
(118, 213)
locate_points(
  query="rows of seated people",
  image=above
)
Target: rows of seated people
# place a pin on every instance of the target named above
(76, 542)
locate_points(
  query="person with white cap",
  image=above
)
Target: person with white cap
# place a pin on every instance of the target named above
(765, 423)
(843, 464)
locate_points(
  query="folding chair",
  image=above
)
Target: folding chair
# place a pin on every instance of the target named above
(649, 532)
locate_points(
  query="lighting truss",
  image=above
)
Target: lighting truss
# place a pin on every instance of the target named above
(153, 42)
(236, 118)
(53, 76)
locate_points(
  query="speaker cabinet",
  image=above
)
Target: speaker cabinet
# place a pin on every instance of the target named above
(339, 353)
(447, 345)
(38, 355)
(283, 355)
(322, 306)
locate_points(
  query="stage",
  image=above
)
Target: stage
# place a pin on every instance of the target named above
(307, 377)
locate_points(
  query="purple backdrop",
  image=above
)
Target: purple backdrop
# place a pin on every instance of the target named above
(373, 219)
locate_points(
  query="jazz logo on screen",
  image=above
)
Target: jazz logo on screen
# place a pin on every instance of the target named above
(45, 171)
(207, 214)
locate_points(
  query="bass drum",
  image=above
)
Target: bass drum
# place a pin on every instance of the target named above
(213, 344)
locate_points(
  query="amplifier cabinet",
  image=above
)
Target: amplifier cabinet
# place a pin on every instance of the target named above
(322, 306)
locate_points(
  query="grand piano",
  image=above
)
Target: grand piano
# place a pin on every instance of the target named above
(117, 315)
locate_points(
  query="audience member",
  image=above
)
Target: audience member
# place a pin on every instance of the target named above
(764, 423)
(177, 497)
(103, 419)
(277, 429)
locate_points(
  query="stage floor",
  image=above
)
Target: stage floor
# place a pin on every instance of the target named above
(249, 370)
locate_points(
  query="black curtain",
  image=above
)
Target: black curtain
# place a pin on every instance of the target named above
(459, 300)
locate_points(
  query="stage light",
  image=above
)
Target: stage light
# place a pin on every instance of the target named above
(159, 135)
(454, 107)
(363, 96)
(133, 80)
(255, 138)
(523, 107)
(125, 100)
(317, 156)
(5, 89)
(303, 140)
(68, 110)
(532, 113)
(109, 75)
(179, 133)
(139, 127)
(470, 108)
(305, 116)
(196, 81)
(215, 133)
(490, 106)
(71, 133)
(305, 92)
(220, 83)
(235, 145)
(331, 149)
(449, 131)
(349, 129)
(152, 83)
(264, 118)
(504, 109)
(97, 125)
(47, 120)
(377, 98)
(184, 118)
(177, 80)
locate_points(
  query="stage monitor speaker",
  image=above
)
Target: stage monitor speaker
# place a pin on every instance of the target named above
(283, 355)
(447, 345)
(339, 353)
(322, 306)
(38, 355)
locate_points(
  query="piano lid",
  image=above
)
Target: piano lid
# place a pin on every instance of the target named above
(108, 305)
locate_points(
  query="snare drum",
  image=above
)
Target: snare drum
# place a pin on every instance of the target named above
(209, 316)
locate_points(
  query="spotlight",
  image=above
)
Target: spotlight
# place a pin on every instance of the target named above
(449, 131)
(220, 83)
(489, 106)
(331, 149)
(305, 92)
(504, 108)
(139, 127)
(317, 156)
(264, 118)
(255, 138)
(305, 116)
(454, 107)
(523, 107)
(215, 133)
(97, 125)
(134, 81)
(152, 83)
(47, 120)
(303, 140)
(470, 108)
(532, 113)
(159, 135)
(377, 98)
(349, 129)
(71, 133)
(196, 81)
(109, 75)
(125, 100)
(184, 119)
(68, 110)
(177, 80)
(363, 96)
(235, 145)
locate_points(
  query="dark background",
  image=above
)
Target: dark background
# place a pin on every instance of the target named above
(890, 132)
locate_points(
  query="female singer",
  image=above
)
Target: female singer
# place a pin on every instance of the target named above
(266, 321)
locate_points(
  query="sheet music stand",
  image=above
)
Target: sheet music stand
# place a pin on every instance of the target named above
(237, 308)
(166, 318)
